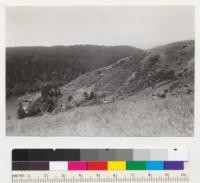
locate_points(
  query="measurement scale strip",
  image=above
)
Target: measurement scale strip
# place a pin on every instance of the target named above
(96, 176)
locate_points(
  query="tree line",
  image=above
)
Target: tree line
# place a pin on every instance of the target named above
(29, 68)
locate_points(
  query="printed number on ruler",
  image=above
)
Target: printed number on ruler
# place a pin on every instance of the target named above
(100, 176)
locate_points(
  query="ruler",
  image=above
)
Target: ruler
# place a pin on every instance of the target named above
(100, 177)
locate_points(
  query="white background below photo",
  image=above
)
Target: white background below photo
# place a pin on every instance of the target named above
(8, 143)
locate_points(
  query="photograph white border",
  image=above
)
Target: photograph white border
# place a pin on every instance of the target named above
(8, 143)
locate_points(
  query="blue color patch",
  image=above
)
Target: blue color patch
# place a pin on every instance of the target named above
(155, 165)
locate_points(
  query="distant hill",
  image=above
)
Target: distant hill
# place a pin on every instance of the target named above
(29, 68)
(160, 72)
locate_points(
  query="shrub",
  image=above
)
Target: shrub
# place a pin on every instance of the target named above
(35, 108)
(50, 104)
(46, 103)
(86, 95)
(70, 98)
(54, 92)
(50, 91)
(166, 90)
(92, 96)
(162, 95)
(20, 111)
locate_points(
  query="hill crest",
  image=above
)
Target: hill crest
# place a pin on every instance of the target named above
(161, 72)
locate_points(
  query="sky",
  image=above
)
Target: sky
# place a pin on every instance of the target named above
(139, 26)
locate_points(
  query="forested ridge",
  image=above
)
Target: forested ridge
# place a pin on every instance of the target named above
(29, 68)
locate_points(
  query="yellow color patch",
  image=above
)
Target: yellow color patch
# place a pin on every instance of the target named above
(116, 165)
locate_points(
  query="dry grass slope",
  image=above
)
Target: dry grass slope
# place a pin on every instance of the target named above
(149, 93)
(134, 116)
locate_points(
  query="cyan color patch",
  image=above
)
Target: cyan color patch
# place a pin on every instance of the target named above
(155, 165)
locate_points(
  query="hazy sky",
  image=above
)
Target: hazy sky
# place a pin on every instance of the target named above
(138, 26)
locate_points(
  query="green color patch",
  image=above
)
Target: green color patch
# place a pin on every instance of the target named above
(136, 165)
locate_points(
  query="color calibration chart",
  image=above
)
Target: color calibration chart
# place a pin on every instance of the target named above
(99, 165)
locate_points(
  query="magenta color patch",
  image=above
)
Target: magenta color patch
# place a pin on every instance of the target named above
(77, 165)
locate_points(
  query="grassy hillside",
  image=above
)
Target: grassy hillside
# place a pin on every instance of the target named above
(29, 68)
(135, 116)
(163, 71)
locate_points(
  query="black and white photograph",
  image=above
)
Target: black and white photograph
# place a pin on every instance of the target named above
(100, 71)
